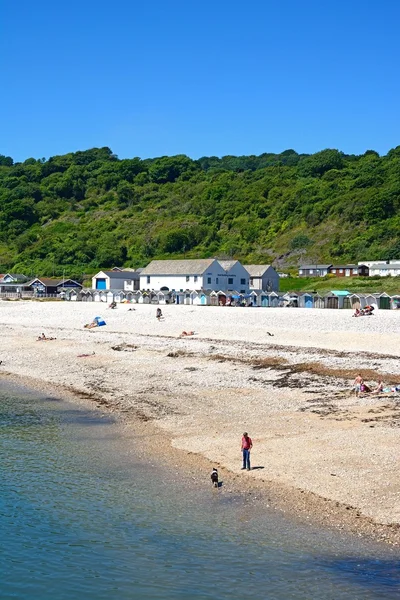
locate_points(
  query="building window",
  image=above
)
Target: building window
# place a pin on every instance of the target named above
(311, 271)
(195, 278)
(208, 279)
(242, 282)
(300, 272)
(333, 270)
(251, 281)
(340, 270)
(230, 280)
(242, 291)
(148, 278)
(187, 278)
(355, 271)
(216, 280)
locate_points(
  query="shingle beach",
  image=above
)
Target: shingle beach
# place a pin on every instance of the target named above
(321, 452)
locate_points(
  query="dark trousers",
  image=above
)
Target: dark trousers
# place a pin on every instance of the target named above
(246, 458)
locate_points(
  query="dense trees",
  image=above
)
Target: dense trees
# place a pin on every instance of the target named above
(88, 209)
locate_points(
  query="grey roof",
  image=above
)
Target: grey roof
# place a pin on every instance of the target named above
(256, 270)
(120, 274)
(349, 266)
(386, 267)
(315, 266)
(227, 264)
(178, 267)
(17, 277)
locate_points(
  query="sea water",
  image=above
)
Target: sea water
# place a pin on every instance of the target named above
(84, 513)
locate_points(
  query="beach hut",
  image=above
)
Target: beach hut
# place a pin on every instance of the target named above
(263, 299)
(253, 298)
(357, 301)
(371, 300)
(273, 299)
(179, 297)
(383, 300)
(161, 297)
(319, 301)
(195, 297)
(74, 295)
(337, 299)
(214, 298)
(395, 302)
(306, 300)
(88, 294)
(119, 296)
(205, 298)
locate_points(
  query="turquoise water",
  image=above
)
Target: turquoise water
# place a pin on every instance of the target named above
(84, 514)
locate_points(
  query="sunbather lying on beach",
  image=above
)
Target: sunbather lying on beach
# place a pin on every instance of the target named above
(186, 333)
(42, 337)
(379, 388)
(91, 325)
(86, 355)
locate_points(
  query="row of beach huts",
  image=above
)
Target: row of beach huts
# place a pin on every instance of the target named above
(334, 299)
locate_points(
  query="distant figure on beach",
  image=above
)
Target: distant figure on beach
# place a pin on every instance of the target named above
(43, 337)
(358, 382)
(214, 477)
(379, 387)
(245, 447)
(159, 314)
(113, 304)
(186, 333)
(357, 313)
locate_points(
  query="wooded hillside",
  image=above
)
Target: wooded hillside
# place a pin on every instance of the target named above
(85, 210)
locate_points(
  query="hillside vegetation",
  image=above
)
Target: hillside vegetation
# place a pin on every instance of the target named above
(323, 285)
(85, 210)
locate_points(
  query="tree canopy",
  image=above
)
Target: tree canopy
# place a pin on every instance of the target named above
(89, 209)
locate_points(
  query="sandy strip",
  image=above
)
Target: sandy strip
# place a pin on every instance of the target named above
(318, 449)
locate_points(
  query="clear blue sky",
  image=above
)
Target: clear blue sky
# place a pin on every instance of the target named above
(205, 78)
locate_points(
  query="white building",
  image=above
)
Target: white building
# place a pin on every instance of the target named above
(374, 263)
(263, 277)
(384, 269)
(196, 274)
(126, 280)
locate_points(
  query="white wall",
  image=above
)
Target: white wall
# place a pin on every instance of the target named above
(394, 271)
(185, 282)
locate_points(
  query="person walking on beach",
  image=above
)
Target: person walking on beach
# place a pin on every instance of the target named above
(246, 446)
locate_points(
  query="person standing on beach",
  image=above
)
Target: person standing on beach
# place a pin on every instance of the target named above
(246, 446)
(358, 382)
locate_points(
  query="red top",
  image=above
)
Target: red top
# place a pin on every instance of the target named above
(246, 443)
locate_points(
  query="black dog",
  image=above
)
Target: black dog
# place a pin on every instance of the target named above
(214, 477)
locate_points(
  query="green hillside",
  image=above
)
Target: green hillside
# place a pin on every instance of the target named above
(85, 210)
(322, 285)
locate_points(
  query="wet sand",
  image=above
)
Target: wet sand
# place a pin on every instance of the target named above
(319, 452)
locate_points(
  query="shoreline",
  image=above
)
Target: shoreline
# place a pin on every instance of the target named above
(293, 400)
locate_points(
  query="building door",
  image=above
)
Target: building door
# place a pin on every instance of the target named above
(384, 303)
(101, 284)
(346, 303)
(332, 302)
(309, 302)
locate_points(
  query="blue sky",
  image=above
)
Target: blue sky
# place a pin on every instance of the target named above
(206, 78)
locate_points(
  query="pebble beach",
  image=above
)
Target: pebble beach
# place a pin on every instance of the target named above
(284, 375)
